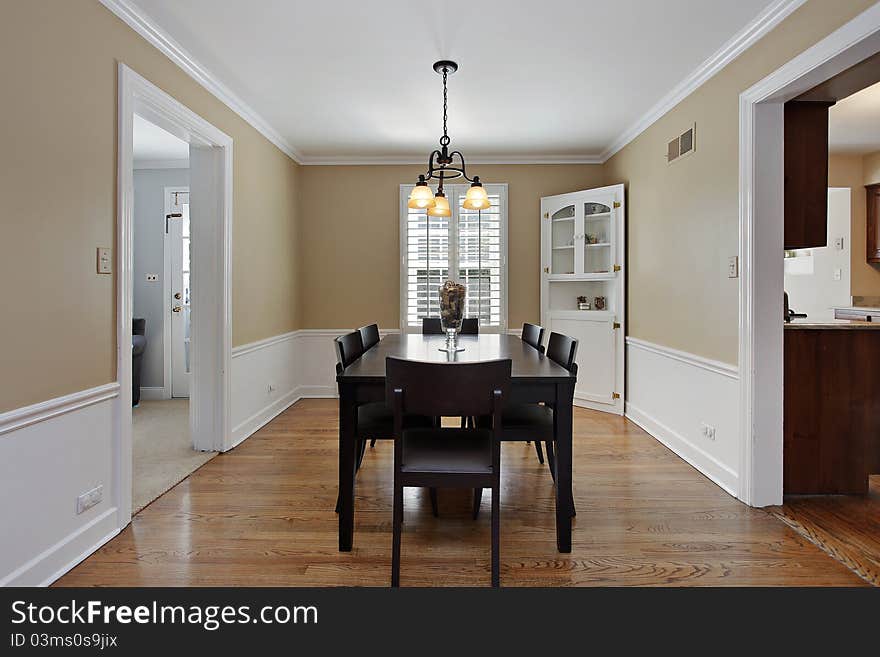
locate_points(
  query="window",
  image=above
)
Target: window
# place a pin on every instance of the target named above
(470, 247)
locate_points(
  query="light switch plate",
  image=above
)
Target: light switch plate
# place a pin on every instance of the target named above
(733, 267)
(105, 260)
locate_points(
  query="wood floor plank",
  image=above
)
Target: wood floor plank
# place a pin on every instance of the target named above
(262, 515)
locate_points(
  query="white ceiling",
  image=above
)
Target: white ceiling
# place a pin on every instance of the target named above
(552, 79)
(854, 123)
(153, 144)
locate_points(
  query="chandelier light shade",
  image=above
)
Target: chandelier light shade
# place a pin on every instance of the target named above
(445, 165)
(476, 197)
(421, 196)
(441, 206)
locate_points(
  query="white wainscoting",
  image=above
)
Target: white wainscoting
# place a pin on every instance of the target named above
(50, 453)
(671, 394)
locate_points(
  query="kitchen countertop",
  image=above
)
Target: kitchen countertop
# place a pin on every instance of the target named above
(807, 323)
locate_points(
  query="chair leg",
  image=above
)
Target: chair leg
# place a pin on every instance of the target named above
(372, 443)
(539, 452)
(396, 530)
(478, 499)
(360, 460)
(433, 494)
(496, 536)
(551, 457)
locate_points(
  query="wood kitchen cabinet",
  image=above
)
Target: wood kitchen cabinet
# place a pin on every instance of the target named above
(873, 206)
(806, 174)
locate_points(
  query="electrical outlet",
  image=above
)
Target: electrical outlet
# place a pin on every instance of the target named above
(733, 267)
(708, 431)
(152, 278)
(89, 499)
(270, 389)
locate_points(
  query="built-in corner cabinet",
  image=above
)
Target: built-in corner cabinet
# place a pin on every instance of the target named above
(583, 254)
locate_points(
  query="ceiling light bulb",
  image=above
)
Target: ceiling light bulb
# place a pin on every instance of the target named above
(441, 206)
(421, 196)
(476, 197)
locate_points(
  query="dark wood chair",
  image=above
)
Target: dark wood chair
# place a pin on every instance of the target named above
(374, 419)
(431, 326)
(533, 335)
(535, 421)
(369, 335)
(446, 457)
(470, 326)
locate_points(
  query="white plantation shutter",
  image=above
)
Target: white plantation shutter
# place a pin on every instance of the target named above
(471, 245)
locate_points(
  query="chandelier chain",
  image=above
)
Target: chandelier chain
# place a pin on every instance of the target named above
(444, 140)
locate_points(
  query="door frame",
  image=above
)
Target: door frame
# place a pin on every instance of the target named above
(167, 352)
(210, 408)
(761, 242)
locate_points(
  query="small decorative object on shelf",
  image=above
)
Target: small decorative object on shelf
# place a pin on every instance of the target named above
(451, 313)
(595, 208)
(599, 303)
(583, 304)
(592, 239)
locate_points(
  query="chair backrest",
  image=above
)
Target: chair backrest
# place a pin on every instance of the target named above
(431, 326)
(470, 326)
(533, 334)
(562, 349)
(447, 389)
(369, 335)
(349, 348)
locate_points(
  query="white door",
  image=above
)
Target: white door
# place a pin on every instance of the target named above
(179, 304)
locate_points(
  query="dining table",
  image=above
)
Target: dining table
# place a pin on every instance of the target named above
(534, 378)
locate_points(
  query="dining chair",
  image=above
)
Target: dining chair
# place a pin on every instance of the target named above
(431, 326)
(534, 335)
(446, 456)
(369, 335)
(374, 419)
(535, 421)
(470, 326)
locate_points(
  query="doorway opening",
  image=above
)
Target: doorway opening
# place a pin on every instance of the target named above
(173, 306)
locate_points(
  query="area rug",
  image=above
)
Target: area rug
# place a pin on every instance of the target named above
(163, 455)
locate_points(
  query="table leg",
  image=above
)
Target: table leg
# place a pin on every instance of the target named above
(563, 430)
(347, 461)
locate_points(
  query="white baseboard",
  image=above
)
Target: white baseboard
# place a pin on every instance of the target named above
(671, 394)
(262, 417)
(152, 393)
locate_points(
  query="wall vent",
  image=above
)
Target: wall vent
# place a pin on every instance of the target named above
(683, 144)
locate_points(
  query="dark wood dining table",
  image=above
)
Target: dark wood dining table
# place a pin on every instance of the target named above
(535, 378)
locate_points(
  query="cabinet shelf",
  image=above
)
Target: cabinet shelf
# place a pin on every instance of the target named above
(594, 315)
(596, 246)
(603, 276)
(561, 219)
(567, 246)
(597, 217)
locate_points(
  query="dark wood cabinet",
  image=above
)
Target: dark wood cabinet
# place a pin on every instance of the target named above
(806, 174)
(873, 206)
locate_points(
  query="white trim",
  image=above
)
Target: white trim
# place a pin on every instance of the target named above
(716, 366)
(153, 393)
(160, 164)
(760, 286)
(333, 333)
(167, 332)
(41, 411)
(210, 407)
(243, 349)
(704, 462)
(741, 41)
(366, 160)
(137, 20)
(262, 417)
(26, 572)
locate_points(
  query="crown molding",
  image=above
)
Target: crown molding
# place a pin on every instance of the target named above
(157, 37)
(393, 160)
(742, 41)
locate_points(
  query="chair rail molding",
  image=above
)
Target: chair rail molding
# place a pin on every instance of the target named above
(28, 415)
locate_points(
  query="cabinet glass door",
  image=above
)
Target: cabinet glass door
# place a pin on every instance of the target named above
(562, 240)
(599, 236)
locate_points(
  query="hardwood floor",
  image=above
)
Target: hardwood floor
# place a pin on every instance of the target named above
(262, 514)
(845, 526)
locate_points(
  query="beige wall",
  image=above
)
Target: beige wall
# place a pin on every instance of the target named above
(58, 183)
(848, 171)
(683, 218)
(351, 238)
(871, 168)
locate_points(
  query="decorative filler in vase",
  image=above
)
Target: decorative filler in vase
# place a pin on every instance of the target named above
(451, 313)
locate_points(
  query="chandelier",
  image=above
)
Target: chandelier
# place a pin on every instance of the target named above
(443, 165)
